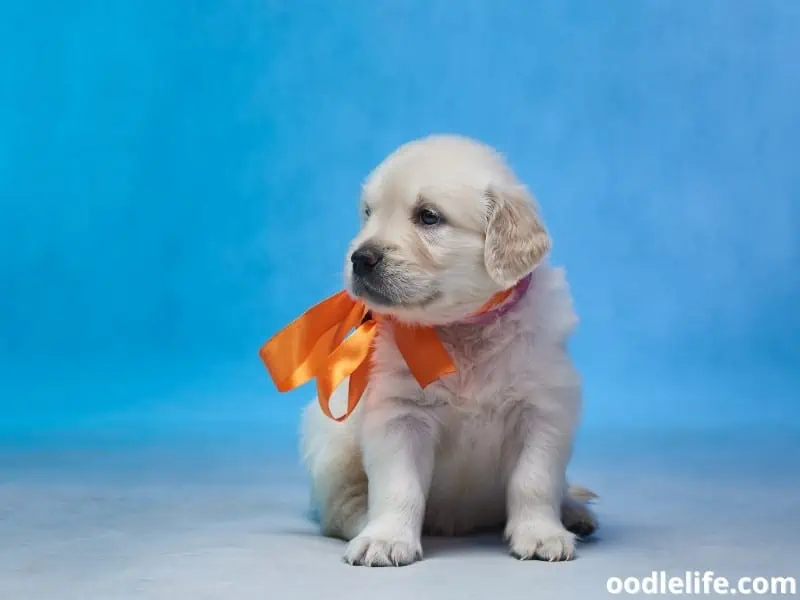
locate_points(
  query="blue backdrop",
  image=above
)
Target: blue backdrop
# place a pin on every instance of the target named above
(179, 179)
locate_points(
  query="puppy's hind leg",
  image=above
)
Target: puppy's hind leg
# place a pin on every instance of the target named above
(345, 506)
(576, 515)
(338, 482)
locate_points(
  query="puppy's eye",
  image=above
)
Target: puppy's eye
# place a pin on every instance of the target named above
(428, 217)
(367, 212)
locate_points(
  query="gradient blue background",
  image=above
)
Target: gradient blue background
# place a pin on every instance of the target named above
(179, 179)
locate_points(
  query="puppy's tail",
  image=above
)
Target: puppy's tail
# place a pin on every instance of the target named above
(581, 494)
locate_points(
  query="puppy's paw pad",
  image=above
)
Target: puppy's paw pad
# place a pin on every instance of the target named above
(579, 519)
(541, 541)
(374, 552)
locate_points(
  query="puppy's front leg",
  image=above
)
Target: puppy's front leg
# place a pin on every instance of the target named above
(536, 485)
(398, 448)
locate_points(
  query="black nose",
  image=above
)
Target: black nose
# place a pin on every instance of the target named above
(365, 259)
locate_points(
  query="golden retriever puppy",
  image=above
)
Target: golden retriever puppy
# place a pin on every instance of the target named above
(446, 227)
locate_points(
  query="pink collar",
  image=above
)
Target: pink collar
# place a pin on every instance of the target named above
(517, 294)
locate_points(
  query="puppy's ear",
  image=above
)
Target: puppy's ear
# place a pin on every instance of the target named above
(516, 240)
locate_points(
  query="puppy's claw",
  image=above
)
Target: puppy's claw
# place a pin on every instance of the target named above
(371, 552)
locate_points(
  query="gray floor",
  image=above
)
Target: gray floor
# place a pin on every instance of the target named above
(196, 523)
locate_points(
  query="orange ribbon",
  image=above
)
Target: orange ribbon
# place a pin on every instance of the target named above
(317, 345)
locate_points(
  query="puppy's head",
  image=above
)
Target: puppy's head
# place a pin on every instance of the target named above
(445, 226)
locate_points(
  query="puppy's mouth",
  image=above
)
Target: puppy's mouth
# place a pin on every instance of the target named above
(373, 294)
(385, 296)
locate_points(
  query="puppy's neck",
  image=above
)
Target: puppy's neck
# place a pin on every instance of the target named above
(494, 313)
(481, 326)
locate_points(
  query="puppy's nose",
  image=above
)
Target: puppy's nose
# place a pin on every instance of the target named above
(365, 260)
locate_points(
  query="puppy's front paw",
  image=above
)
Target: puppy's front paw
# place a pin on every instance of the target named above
(540, 539)
(374, 549)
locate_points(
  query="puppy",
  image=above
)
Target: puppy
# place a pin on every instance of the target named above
(446, 226)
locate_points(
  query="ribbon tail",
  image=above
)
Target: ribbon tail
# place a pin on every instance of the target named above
(429, 364)
(295, 353)
(358, 384)
(347, 360)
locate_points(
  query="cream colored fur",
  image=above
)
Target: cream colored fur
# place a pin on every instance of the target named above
(488, 446)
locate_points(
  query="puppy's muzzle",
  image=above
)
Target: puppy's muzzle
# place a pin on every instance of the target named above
(365, 260)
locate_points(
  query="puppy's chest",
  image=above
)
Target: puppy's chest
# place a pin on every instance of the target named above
(483, 380)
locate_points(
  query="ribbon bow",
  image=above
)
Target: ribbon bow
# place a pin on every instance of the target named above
(317, 345)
